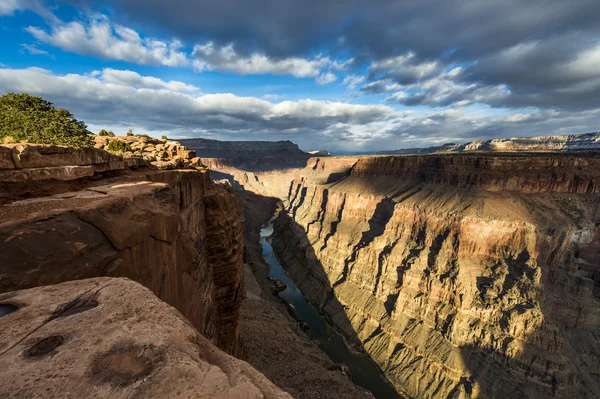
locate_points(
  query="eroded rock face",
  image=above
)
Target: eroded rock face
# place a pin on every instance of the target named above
(461, 276)
(173, 231)
(565, 143)
(111, 337)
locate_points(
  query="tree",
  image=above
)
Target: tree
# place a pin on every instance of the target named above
(31, 119)
(130, 132)
(105, 133)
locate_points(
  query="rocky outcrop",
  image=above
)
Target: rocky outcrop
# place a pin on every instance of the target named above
(161, 153)
(109, 337)
(462, 276)
(566, 143)
(25, 162)
(173, 231)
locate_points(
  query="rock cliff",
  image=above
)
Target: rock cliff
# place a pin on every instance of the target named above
(461, 275)
(565, 143)
(171, 230)
(111, 337)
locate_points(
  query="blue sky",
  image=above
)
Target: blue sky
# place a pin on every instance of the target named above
(357, 76)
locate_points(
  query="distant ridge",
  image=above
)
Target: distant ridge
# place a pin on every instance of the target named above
(207, 148)
(571, 142)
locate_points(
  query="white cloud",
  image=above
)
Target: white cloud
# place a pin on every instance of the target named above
(125, 97)
(326, 78)
(99, 38)
(352, 81)
(115, 100)
(32, 49)
(134, 79)
(8, 7)
(226, 59)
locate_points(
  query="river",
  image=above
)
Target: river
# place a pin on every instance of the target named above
(363, 371)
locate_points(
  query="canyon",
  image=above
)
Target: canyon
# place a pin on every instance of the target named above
(461, 275)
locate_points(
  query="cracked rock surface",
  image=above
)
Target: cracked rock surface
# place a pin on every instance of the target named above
(113, 338)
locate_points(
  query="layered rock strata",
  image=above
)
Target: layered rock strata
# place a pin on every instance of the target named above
(462, 276)
(111, 337)
(558, 143)
(173, 231)
(274, 342)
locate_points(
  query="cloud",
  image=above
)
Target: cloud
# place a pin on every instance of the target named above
(211, 57)
(113, 99)
(352, 81)
(99, 38)
(134, 79)
(8, 7)
(124, 98)
(33, 50)
(326, 78)
(405, 69)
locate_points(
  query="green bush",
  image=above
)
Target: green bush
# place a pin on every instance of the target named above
(164, 138)
(130, 132)
(143, 135)
(105, 133)
(118, 147)
(30, 119)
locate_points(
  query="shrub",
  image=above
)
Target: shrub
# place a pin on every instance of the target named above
(105, 133)
(118, 147)
(143, 135)
(130, 132)
(32, 119)
(164, 138)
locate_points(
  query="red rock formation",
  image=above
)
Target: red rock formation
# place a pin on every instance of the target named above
(173, 231)
(109, 337)
(462, 276)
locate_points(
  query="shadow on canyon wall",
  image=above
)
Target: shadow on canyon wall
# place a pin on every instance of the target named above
(526, 355)
(295, 256)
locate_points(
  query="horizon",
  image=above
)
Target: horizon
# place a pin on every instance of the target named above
(357, 77)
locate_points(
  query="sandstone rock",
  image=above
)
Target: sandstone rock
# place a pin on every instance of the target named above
(572, 142)
(112, 337)
(6, 161)
(156, 227)
(41, 155)
(56, 173)
(452, 274)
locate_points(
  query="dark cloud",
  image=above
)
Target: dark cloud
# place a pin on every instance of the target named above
(378, 27)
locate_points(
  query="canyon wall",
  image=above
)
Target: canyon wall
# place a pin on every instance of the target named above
(173, 231)
(462, 276)
(559, 143)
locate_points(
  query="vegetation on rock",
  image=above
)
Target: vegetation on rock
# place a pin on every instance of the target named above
(31, 119)
(105, 133)
(118, 146)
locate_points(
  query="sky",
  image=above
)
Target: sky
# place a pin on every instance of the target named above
(344, 76)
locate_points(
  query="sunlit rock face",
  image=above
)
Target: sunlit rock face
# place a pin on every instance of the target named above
(112, 337)
(462, 276)
(563, 143)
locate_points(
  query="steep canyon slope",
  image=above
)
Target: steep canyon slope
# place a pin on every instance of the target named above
(461, 275)
(173, 231)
